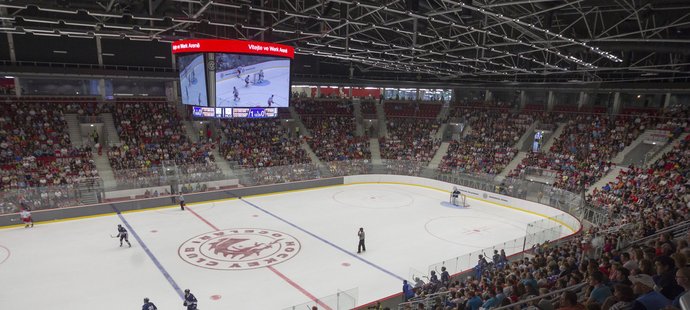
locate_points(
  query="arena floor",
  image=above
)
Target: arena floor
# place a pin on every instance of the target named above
(262, 252)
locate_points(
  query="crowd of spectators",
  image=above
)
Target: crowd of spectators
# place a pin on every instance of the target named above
(368, 108)
(151, 164)
(323, 107)
(411, 109)
(32, 129)
(332, 138)
(147, 123)
(490, 144)
(603, 267)
(594, 270)
(410, 140)
(38, 164)
(153, 143)
(582, 154)
(260, 143)
(642, 190)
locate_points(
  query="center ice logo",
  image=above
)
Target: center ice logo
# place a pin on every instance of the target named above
(239, 249)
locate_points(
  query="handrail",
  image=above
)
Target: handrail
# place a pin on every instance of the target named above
(679, 227)
(426, 300)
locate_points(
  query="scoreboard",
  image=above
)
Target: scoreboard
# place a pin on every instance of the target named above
(234, 78)
(209, 112)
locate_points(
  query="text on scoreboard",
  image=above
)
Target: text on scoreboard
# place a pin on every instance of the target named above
(234, 112)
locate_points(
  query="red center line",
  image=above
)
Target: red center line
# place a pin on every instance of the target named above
(299, 288)
(282, 276)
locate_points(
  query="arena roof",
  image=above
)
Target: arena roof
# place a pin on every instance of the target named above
(433, 40)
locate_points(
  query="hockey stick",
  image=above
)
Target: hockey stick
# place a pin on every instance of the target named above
(111, 236)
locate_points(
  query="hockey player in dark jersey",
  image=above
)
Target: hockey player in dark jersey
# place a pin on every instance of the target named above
(189, 300)
(122, 233)
(148, 305)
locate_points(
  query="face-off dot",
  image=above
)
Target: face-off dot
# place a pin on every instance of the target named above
(154, 231)
(345, 264)
(215, 297)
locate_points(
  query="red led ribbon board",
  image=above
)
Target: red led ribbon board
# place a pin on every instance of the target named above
(233, 46)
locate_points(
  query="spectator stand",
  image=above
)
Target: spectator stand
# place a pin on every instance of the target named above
(418, 109)
(260, 143)
(36, 151)
(410, 140)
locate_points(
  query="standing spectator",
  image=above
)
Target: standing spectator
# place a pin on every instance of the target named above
(407, 290)
(648, 298)
(445, 276)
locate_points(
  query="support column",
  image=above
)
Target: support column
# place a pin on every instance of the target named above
(667, 101)
(99, 51)
(523, 99)
(583, 100)
(101, 88)
(488, 96)
(17, 87)
(616, 103)
(550, 101)
(211, 75)
(10, 38)
(176, 83)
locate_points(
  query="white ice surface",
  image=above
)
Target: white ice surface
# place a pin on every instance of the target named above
(76, 265)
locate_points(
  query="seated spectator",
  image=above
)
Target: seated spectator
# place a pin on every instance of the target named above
(260, 143)
(332, 139)
(600, 292)
(648, 298)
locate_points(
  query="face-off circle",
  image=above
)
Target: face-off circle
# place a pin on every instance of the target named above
(239, 249)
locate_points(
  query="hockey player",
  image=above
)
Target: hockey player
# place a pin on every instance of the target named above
(246, 81)
(122, 233)
(189, 300)
(182, 204)
(270, 101)
(25, 215)
(235, 93)
(148, 305)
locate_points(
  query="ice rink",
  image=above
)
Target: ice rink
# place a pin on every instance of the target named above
(262, 252)
(276, 82)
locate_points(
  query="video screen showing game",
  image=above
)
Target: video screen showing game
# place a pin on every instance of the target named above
(192, 79)
(252, 81)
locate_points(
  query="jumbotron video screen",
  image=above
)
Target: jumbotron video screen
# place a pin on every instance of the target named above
(252, 81)
(193, 79)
